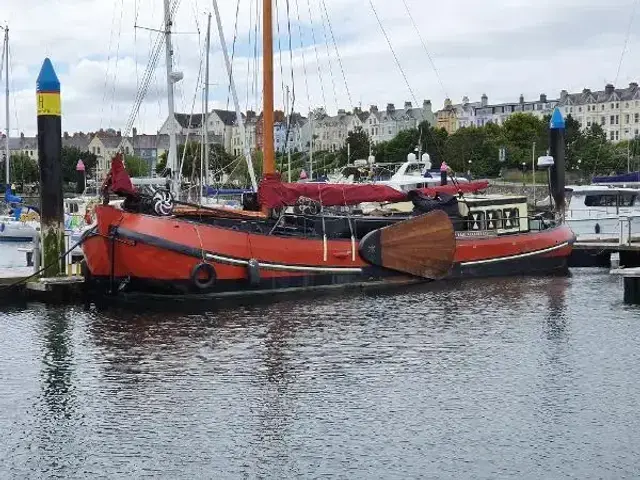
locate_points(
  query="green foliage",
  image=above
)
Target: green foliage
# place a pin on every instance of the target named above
(136, 166)
(70, 157)
(359, 144)
(23, 170)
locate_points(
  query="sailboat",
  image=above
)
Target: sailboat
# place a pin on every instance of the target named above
(148, 246)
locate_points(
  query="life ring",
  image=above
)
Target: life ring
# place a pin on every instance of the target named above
(200, 281)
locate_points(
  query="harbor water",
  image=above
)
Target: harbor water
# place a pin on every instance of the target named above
(502, 378)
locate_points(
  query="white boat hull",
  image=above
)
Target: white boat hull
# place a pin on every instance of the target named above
(12, 230)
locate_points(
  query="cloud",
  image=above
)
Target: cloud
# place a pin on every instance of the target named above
(499, 47)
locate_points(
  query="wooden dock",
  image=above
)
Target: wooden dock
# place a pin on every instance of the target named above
(597, 253)
(14, 286)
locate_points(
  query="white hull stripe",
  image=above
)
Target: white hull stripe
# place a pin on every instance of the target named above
(516, 257)
(277, 266)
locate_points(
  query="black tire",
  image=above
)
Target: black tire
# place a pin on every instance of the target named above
(208, 280)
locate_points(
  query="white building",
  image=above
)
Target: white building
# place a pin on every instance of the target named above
(498, 113)
(616, 110)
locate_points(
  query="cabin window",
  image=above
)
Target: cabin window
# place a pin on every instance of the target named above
(627, 199)
(511, 218)
(494, 219)
(604, 200)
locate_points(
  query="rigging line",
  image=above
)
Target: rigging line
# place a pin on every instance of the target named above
(326, 42)
(256, 70)
(115, 72)
(424, 45)
(280, 51)
(293, 82)
(106, 76)
(193, 106)
(135, 41)
(404, 75)
(626, 40)
(315, 47)
(249, 84)
(304, 62)
(335, 46)
(233, 52)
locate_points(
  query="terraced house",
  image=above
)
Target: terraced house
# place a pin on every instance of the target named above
(616, 110)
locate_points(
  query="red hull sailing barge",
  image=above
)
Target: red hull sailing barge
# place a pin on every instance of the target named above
(202, 250)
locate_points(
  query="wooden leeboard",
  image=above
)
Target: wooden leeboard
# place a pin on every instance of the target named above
(423, 246)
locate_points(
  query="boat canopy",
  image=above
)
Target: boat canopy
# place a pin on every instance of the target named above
(632, 177)
(272, 193)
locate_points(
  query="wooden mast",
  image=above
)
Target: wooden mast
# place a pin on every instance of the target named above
(267, 68)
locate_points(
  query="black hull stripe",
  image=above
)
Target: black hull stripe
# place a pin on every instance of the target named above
(197, 253)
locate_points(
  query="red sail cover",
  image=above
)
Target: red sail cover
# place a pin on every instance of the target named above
(272, 193)
(118, 179)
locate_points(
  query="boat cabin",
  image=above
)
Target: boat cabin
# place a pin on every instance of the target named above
(584, 201)
(499, 214)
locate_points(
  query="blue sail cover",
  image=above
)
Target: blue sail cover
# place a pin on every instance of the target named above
(633, 177)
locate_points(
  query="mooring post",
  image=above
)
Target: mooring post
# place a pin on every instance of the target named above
(50, 159)
(557, 151)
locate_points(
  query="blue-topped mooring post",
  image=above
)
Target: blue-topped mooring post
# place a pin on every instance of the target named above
(557, 151)
(50, 159)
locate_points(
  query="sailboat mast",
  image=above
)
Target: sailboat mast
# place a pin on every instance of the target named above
(267, 68)
(6, 109)
(172, 155)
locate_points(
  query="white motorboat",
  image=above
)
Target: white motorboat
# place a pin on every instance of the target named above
(601, 212)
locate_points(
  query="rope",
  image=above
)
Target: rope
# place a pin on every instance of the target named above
(395, 57)
(315, 47)
(335, 46)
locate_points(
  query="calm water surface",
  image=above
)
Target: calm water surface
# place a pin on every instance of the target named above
(508, 378)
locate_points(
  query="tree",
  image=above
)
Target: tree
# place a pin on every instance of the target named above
(70, 157)
(136, 166)
(23, 169)
(359, 143)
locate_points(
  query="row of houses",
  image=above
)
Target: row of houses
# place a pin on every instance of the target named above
(616, 110)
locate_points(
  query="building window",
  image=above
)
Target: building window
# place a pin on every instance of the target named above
(617, 135)
(612, 119)
(617, 119)
(612, 106)
(602, 107)
(626, 105)
(98, 149)
(603, 120)
(611, 135)
(579, 109)
(626, 118)
(617, 105)
(588, 123)
(636, 117)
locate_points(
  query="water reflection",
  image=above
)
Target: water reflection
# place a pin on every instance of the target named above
(57, 364)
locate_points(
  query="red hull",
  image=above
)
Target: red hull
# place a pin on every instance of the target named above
(156, 251)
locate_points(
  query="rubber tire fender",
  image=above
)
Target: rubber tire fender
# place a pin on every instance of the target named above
(210, 278)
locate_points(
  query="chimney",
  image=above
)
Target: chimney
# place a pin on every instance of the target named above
(373, 109)
(407, 106)
(586, 91)
(21, 134)
(633, 85)
(465, 100)
(521, 100)
(341, 111)
(426, 105)
(391, 107)
(119, 133)
(447, 102)
(484, 100)
(357, 110)
(563, 95)
(543, 98)
(135, 132)
(65, 135)
(609, 89)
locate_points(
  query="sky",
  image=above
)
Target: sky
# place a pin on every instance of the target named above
(339, 57)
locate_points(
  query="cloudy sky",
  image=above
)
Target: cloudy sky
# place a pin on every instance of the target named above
(500, 47)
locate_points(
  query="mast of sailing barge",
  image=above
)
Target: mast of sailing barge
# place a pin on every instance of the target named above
(268, 165)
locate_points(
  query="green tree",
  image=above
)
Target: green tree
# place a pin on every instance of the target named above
(359, 144)
(23, 170)
(136, 166)
(70, 157)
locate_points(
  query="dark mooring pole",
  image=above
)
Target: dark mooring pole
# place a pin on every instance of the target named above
(49, 157)
(557, 151)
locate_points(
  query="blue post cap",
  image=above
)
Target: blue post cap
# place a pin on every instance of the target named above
(557, 120)
(47, 79)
